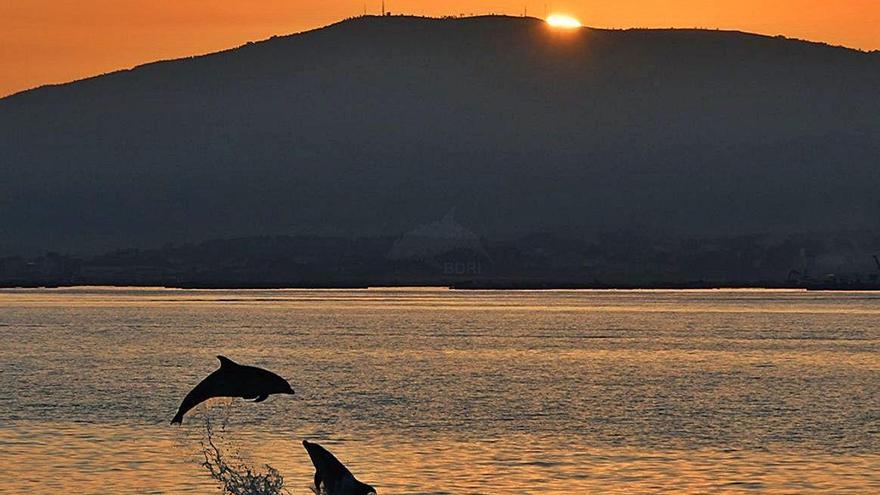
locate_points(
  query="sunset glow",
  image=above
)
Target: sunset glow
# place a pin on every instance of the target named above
(563, 21)
(47, 41)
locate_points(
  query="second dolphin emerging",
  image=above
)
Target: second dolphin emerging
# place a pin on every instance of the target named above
(234, 380)
(331, 476)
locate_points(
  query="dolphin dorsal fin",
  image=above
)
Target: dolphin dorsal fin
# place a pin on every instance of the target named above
(225, 362)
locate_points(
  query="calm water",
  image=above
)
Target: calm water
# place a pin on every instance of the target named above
(445, 392)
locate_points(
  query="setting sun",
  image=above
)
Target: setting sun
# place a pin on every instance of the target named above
(563, 21)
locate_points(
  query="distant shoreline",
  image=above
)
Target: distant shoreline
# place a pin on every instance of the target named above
(462, 286)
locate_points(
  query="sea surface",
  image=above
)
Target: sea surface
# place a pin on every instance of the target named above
(432, 391)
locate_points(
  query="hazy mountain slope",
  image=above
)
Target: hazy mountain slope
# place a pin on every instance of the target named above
(376, 125)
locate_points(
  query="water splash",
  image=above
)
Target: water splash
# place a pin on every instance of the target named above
(234, 475)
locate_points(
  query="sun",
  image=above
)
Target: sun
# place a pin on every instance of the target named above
(563, 21)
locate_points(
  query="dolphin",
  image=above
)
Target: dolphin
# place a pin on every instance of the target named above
(233, 380)
(331, 477)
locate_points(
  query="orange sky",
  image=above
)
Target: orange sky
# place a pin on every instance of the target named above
(45, 41)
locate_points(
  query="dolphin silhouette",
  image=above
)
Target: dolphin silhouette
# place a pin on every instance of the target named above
(233, 380)
(331, 476)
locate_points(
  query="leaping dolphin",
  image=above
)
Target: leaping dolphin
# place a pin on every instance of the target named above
(331, 476)
(234, 380)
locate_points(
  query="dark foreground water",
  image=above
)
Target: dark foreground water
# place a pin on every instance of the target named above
(446, 392)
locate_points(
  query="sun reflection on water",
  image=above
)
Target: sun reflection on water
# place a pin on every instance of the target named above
(437, 391)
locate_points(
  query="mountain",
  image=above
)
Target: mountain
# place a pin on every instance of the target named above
(377, 125)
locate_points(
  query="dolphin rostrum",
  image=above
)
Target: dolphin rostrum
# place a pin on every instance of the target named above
(331, 476)
(234, 380)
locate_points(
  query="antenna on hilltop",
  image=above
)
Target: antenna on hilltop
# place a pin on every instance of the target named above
(383, 8)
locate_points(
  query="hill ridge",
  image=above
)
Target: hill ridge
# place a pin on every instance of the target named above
(352, 21)
(362, 129)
